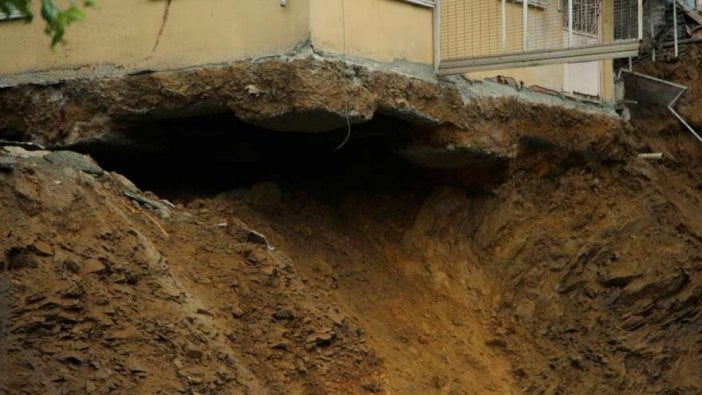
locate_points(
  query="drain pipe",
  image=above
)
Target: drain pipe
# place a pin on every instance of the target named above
(675, 26)
(437, 35)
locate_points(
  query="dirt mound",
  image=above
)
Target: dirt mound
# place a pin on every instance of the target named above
(99, 296)
(580, 272)
(576, 274)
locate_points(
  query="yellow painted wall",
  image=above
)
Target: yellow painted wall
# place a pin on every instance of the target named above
(122, 33)
(383, 30)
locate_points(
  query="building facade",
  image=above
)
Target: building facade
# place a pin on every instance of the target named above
(127, 38)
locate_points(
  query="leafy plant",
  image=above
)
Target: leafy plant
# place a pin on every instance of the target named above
(56, 18)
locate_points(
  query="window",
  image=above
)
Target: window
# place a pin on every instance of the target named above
(626, 16)
(586, 16)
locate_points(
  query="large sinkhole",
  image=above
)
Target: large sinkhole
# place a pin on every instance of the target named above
(205, 155)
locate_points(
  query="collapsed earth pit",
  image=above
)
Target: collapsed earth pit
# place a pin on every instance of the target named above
(486, 287)
(205, 155)
(289, 267)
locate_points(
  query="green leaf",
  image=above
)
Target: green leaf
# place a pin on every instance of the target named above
(56, 18)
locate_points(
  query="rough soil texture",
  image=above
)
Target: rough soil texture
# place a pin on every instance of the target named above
(580, 272)
(686, 70)
(575, 275)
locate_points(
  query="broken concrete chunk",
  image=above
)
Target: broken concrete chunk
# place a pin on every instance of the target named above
(73, 159)
(124, 182)
(7, 163)
(161, 208)
(20, 152)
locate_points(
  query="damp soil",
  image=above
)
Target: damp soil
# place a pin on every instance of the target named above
(244, 260)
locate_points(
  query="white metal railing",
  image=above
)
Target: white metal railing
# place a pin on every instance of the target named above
(478, 35)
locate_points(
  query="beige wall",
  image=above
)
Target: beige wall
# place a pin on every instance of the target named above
(122, 33)
(383, 30)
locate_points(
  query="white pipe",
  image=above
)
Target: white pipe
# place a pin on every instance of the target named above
(640, 19)
(525, 25)
(570, 23)
(504, 25)
(437, 36)
(653, 31)
(652, 155)
(675, 27)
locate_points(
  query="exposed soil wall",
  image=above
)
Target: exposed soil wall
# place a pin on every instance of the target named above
(279, 264)
(578, 273)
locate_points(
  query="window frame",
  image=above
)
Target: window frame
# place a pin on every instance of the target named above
(577, 15)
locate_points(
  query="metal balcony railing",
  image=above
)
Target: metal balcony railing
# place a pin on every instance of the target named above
(479, 35)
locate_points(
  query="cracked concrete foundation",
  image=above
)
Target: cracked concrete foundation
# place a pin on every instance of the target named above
(453, 123)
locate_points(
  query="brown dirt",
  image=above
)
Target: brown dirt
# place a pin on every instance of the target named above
(574, 275)
(582, 272)
(687, 70)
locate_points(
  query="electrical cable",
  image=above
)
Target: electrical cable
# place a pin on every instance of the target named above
(343, 54)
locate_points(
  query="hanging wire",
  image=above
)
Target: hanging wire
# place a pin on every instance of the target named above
(348, 120)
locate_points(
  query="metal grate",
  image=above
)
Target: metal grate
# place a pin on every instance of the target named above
(586, 17)
(499, 32)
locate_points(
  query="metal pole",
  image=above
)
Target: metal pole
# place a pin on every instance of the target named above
(570, 23)
(675, 26)
(653, 31)
(639, 10)
(504, 26)
(525, 25)
(437, 35)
